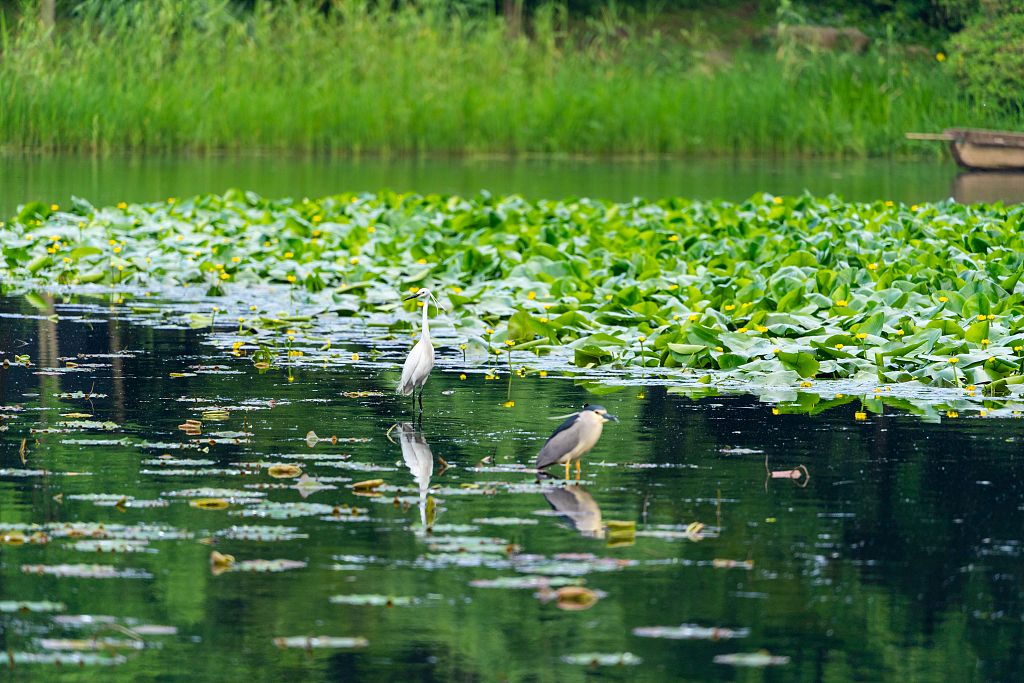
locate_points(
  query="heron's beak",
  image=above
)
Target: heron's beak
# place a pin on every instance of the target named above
(408, 298)
(606, 416)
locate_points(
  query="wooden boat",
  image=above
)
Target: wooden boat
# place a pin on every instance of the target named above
(977, 148)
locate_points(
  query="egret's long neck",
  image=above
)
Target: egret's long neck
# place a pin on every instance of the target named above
(426, 323)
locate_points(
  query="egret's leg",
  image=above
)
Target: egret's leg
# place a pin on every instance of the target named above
(421, 397)
(577, 468)
(567, 471)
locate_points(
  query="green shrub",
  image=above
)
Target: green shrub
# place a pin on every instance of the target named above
(988, 57)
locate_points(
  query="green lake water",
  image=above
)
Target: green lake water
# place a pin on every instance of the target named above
(105, 181)
(894, 556)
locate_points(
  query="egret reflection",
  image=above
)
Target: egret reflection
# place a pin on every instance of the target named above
(420, 461)
(579, 508)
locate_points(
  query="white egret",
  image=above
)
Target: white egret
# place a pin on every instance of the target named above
(574, 438)
(421, 359)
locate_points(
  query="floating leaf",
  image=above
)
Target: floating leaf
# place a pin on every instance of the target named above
(7, 472)
(212, 493)
(271, 510)
(79, 394)
(752, 659)
(92, 644)
(157, 503)
(375, 600)
(505, 521)
(263, 566)
(209, 503)
(63, 659)
(29, 606)
(284, 471)
(261, 533)
(690, 632)
(530, 582)
(315, 642)
(111, 546)
(573, 598)
(602, 659)
(85, 571)
(178, 462)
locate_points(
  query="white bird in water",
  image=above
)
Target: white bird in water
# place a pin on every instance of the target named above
(421, 359)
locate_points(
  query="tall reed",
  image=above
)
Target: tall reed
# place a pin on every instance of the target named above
(173, 75)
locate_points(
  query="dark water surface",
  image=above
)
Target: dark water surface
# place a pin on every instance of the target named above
(897, 559)
(105, 181)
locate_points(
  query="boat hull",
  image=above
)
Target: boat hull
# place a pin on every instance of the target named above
(988, 150)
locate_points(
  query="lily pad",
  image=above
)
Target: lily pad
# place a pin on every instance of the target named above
(529, 582)
(111, 546)
(212, 493)
(375, 600)
(505, 521)
(690, 632)
(751, 659)
(261, 533)
(30, 606)
(603, 659)
(264, 566)
(85, 571)
(272, 510)
(316, 642)
(63, 659)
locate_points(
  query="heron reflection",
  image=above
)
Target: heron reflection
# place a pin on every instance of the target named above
(420, 461)
(579, 508)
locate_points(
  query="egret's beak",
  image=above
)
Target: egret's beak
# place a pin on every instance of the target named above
(606, 416)
(409, 298)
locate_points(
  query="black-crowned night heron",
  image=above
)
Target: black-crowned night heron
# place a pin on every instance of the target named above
(574, 438)
(579, 507)
(421, 359)
(420, 461)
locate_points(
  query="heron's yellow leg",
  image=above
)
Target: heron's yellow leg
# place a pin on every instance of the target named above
(567, 470)
(577, 467)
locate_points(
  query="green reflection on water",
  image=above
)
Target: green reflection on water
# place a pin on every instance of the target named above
(899, 559)
(105, 181)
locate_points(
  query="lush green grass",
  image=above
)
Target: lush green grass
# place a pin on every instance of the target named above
(417, 81)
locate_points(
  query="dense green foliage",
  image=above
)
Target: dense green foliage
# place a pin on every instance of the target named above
(422, 80)
(784, 288)
(988, 58)
(918, 19)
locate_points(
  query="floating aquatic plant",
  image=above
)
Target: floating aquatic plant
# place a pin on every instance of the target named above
(529, 582)
(505, 521)
(690, 632)
(260, 533)
(111, 546)
(375, 600)
(85, 571)
(603, 659)
(264, 566)
(751, 659)
(315, 642)
(31, 606)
